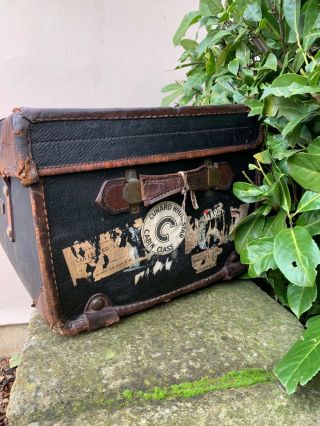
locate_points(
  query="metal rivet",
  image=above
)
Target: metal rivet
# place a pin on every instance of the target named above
(9, 232)
(97, 304)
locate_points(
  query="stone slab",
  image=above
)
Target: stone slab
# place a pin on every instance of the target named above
(228, 326)
(259, 405)
(12, 339)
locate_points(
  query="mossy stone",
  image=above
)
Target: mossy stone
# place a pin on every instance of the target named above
(167, 358)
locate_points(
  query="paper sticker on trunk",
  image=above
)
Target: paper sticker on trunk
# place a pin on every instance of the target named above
(206, 259)
(164, 228)
(213, 227)
(108, 254)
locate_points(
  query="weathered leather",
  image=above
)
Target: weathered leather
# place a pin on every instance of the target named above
(154, 188)
(15, 150)
(47, 303)
(16, 157)
(110, 196)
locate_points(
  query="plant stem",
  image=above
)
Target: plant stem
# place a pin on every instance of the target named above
(247, 177)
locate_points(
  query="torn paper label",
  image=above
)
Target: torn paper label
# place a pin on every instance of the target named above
(101, 258)
(191, 239)
(206, 259)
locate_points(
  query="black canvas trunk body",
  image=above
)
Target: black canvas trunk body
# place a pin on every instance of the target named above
(108, 212)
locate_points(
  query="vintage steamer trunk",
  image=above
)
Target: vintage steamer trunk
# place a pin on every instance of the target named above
(108, 212)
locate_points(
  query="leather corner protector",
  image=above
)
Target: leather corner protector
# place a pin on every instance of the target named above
(29, 174)
(100, 312)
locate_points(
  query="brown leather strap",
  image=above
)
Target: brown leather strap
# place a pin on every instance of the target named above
(116, 196)
(157, 187)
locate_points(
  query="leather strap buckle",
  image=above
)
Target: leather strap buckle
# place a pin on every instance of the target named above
(127, 193)
(132, 191)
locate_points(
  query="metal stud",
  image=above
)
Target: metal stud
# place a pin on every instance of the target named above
(97, 303)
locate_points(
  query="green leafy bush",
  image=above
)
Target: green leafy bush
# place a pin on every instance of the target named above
(265, 54)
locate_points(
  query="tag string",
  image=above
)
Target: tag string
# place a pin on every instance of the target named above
(184, 192)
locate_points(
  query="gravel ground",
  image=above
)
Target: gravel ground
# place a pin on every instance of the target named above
(7, 376)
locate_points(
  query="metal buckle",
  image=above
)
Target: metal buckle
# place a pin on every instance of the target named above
(132, 191)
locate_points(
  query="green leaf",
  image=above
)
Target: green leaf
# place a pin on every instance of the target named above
(291, 10)
(279, 284)
(249, 193)
(255, 106)
(310, 18)
(188, 44)
(275, 224)
(243, 54)
(298, 60)
(15, 361)
(170, 87)
(233, 66)
(301, 363)
(297, 256)
(210, 7)
(288, 85)
(314, 146)
(277, 123)
(250, 229)
(258, 254)
(294, 123)
(238, 97)
(210, 62)
(273, 44)
(310, 221)
(170, 98)
(288, 108)
(309, 201)
(268, 14)
(277, 145)
(271, 63)
(263, 157)
(252, 12)
(281, 194)
(188, 20)
(305, 169)
(300, 299)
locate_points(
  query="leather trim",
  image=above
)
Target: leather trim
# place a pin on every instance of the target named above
(128, 162)
(231, 269)
(103, 317)
(8, 209)
(15, 150)
(48, 301)
(15, 144)
(36, 115)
